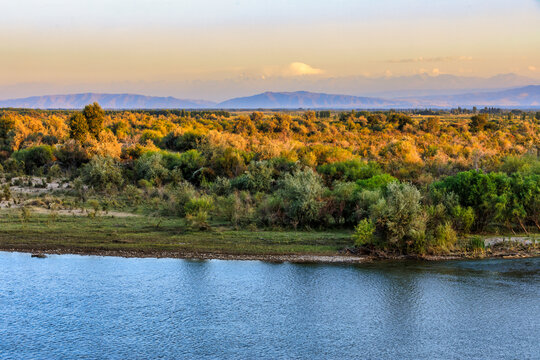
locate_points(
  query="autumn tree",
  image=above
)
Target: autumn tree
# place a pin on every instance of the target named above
(244, 125)
(431, 125)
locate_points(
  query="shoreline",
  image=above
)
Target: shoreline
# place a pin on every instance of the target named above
(274, 258)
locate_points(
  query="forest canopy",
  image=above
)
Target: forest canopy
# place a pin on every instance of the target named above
(411, 181)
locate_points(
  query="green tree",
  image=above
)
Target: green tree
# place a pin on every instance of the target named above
(7, 127)
(478, 122)
(95, 116)
(487, 194)
(78, 127)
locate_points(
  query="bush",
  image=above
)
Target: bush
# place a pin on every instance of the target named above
(475, 244)
(257, 177)
(197, 210)
(237, 208)
(350, 170)
(71, 154)
(101, 173)
(190, 162)
(340, 203)
(486, 194)
(133, 195)
(399, 216)
(34, 157)
(189, 140)
(180, 196)
(194, 205)
(463, 218)
(13, 166)
(380, 181)
(445, 238)
(221, 186)
(363, 232)
(198, 220)
(301, 195)
(365, 201)
(150, 167)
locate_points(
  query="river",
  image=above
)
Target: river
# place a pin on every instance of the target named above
(91, 307)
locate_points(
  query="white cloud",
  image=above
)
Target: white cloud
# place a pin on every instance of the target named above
(291, 70)
(298, 69)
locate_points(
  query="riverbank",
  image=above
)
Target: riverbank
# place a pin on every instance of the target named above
(276, 258)
(140, 236)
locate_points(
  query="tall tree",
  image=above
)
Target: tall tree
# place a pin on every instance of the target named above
(478, 122)
(78, 127)
(7, 125)
(94, 115)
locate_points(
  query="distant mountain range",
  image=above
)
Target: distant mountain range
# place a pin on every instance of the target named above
(305, 99)
(107, 101)
(526, 96)
(521, 97)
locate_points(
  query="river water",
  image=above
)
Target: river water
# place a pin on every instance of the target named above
(91, 307)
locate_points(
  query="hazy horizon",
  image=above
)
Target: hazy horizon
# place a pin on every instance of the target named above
(218, 49)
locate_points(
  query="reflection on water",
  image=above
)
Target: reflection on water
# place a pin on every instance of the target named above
(97, 307)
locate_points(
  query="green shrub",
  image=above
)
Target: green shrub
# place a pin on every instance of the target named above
(340, 203)
(190, 162)
(463, 218)
(101, 173)
(197, 211)
(221, 186)
(350, 170)
(197, 204)
(445, 238)
(6, 193)
(363, 232)
(399, 217)
(301, 196)
(150, 167)
(133, 195)
(55, 171)
(198, 220)
(237, 208)
(475, 244)
(187, 141)
(95, 206)
(71, 154)
(34, 157)
(380, 181)
(257, 177)
(365, 201)
(152, 135)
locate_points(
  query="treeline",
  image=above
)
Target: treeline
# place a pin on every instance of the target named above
(405, 182)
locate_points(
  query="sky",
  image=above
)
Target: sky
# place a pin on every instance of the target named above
(167, 47)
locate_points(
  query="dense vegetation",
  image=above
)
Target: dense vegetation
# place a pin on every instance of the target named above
(406, 182)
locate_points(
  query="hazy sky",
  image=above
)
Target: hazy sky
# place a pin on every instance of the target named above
(82, 45)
